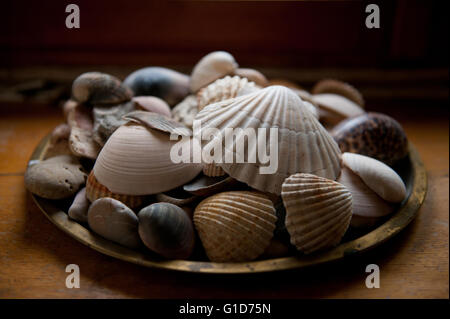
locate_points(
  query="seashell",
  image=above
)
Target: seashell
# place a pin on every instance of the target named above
(177, 196)
(336, 107)
(206, 185)
(55, 178)
(137, 161)
(108, 119)
(81, 141)
(303, 143)
(97, 88)
(235, 226)
(59, 142)
(167, 84)
(80, 206)
(158, 122)
(211, 169)
(372, 134)
(339, 88)
(379, 177)
(223, 89)
(167, 230)
(185, 111)
(211, 67)
(253, 76)
(68, 106)
(113, 220)
(318, 211)
(152, 104)
(368, 207)
(95, 190)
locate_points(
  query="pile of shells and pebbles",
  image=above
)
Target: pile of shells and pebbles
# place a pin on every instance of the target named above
(112, 160)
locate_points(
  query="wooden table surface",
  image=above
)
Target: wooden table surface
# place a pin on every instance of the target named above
(34, 253)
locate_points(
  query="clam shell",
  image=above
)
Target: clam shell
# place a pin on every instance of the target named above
(137, 161)
(152, 104)
(235, 226)
(213, 170)
(167, 84)
(379, 177)
(318, 211)
(185, 111)
(167, 230)
(223, 89)
(372, 134)
(211, 67)
(339, 88)
(99, 88)
(303, 143)
(336, 107)
(95, 190)
(253, 76)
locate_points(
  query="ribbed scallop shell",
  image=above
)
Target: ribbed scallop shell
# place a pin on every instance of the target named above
(303, 143)
(136, 161)
(318, 211)
(235, 226)
(223, 89)
(95, 190)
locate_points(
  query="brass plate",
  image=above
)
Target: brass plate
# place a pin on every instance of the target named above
(415, 179)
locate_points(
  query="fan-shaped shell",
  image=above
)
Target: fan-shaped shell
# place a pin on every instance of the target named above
(379, 177)
(95, 190)
(318, 211)
(224, 89)
(136, 161)
(340, 88)
(235, 226)
(303, 143)
(372, 134)
(211, 67)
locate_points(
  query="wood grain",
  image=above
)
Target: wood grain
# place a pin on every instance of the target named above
(34, 253)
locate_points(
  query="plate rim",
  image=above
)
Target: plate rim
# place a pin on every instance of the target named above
(398, 221)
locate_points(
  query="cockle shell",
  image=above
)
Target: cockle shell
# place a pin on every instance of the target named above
(379, 177)
(96, 88)
(253, 76)
(167, 230)
(115, 221)
(185, 111)
(152, 104)
(223, 89)
(318, 211)
(95, 190)
(339, 88)
(137, 161)
(167, 84)
(372, 134)
(211, 67)
(303, 143)
(336, 107)
(235, 226)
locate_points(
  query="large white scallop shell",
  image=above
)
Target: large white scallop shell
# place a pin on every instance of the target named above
(235, 226)
(318, 211)
(303, 143)
(136, 161)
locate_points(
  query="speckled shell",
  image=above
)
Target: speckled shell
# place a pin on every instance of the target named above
(167, 230)
(97, 88)
(303, 143)
(318, 211)
(339, 88)
(211, 67)
(379, 177)
(213, 170)
(136, 161)
(253, 76)
(167, 84)
(152, 104)
(235, 226)
(185, 111)
(223, 89)
(336, 108)
(95, 190)
(373, 134)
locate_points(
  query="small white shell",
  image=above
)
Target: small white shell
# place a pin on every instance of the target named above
(379, 177)
(318, 211)
(211, 67)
